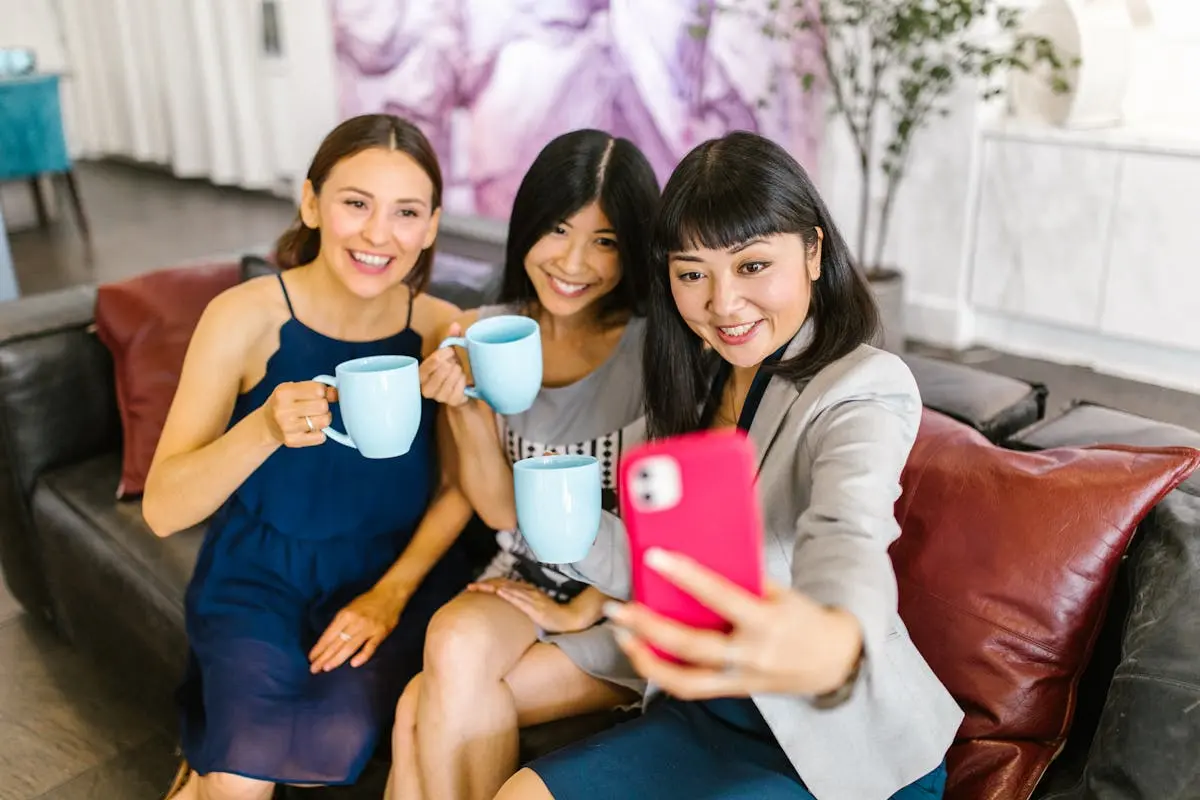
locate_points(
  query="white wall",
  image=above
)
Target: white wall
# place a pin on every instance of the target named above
(31, 23)
(307, 108)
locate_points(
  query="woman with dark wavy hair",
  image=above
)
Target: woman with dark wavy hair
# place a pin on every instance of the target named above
(759, 321)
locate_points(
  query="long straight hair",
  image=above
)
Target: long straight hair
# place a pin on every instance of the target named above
(301, 244)
(726, 192)
(573, 170)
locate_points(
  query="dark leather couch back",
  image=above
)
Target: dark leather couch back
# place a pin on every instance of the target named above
(57, 406)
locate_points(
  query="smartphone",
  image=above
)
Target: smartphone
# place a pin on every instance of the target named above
(694, 494)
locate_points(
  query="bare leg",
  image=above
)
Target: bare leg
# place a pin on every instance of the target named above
(404, 780)
(484, 677)
(220, 786)
(525, 785)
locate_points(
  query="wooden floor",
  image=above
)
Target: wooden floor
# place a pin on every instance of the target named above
(66, 734)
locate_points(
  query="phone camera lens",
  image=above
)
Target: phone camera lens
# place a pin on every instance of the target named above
(644, 474)
(647, 497)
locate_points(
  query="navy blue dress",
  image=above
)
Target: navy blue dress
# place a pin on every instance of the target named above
(311, 529)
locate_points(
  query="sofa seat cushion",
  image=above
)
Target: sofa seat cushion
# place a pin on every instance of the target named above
(147, 323)
(1005, 567)
(995, 405)
(1085, 423)
(86, 488)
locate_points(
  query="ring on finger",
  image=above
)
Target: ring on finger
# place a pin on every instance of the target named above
(308, 421)
(345, 637)
(730, 663)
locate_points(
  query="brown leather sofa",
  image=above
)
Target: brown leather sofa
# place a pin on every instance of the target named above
(84, 562)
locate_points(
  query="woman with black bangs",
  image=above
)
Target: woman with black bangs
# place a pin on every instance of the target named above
(757, 320)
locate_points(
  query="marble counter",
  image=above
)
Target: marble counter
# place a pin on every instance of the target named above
(1085, 247)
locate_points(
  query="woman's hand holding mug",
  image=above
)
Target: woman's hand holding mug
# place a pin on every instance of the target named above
(443, 378)
(295, 413)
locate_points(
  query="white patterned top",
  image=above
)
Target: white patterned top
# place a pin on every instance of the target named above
(599, 415)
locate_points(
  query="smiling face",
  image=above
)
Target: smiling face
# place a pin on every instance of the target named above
(576, 263)
(750, 300)
(375, 217)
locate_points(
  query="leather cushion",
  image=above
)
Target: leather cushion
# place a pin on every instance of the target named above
(147, 322)
(1005, 567)
(166, 564)
(995, 405)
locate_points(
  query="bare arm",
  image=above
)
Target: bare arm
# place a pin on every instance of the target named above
(197, 464)
(485, 472)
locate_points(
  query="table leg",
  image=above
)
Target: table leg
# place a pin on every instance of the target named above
(39, 202)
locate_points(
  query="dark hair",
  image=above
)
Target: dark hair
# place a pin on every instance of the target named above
(725, 192)
(573, 170)
(300, 244)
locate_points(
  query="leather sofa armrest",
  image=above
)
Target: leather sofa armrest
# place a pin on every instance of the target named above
(58, 406)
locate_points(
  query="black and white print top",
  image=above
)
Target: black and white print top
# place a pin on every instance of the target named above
(599, 415)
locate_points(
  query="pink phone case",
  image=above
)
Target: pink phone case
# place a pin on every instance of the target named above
(694, 494)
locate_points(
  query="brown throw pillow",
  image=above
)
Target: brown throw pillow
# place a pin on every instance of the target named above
(146, 322)
(1005, 567)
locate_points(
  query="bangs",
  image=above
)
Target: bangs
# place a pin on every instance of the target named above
(717, 214)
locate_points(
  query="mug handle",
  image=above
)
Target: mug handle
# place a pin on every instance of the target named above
(458, 341)
(328, 430)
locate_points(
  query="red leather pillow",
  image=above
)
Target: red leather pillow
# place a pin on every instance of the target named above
(1005, 567)
(146, 323)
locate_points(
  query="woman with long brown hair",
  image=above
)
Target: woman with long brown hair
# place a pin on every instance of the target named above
(320, 568)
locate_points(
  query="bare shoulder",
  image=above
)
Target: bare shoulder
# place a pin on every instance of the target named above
(433, 316)
(244, 311)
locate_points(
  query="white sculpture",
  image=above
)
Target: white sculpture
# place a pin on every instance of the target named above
(1101, 34)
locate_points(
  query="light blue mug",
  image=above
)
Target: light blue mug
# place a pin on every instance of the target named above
(558, 505)
(17, 61)
(506, 361)
(380, 399)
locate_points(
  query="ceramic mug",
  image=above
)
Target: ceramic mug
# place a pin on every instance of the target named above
(380, 400)
(558, 505)
(506, 361)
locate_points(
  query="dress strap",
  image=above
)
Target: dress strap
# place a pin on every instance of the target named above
(412, 298)
(286, 298)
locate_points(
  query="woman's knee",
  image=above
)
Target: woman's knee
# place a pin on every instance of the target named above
(525, 785)
(406, 715)
(223, 786)
(463, 638)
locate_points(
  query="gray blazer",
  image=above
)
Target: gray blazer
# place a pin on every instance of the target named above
(830, 456)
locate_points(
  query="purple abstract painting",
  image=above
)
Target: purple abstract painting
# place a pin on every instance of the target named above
(491, 81)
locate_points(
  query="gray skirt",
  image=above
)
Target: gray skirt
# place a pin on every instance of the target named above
(594, 650)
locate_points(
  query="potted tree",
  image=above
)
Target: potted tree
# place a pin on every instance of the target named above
(889, 67)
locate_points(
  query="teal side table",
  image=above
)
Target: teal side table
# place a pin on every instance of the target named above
(32, 142)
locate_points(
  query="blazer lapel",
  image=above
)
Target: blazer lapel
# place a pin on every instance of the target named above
(778, 398)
